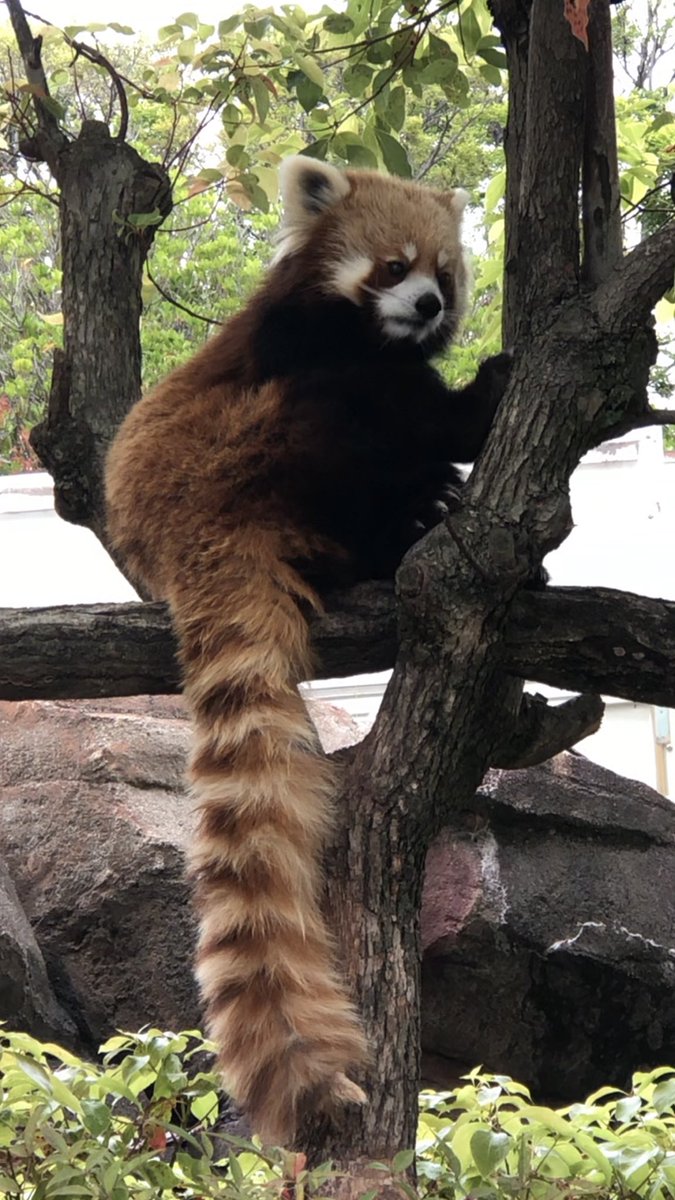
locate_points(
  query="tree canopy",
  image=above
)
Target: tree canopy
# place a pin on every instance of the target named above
(419, 90)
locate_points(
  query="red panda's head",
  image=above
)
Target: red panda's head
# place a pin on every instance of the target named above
(390, 246)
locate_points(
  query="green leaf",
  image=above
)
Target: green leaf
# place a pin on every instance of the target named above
(395, 157)
(257, 29)
(627, 1108)
(396, 108)
(312, 69)
(402, 1160)
(496, 58)
(380, 51)
(236, 155)
(231, 118)
(338, 23)
(188, 18)
(143, 220)
(52, 105)
(470, 32)
(664, 1095)
(359, 155)
(488, 1149)
(317, 149)
(228, 25)
(495, 191)
(261, 96)
(357, 80)
(308, 93)
(439, 70)
(168, 32)
(204, 1106)
(492, 74)
(96, 1116)
(186, 49)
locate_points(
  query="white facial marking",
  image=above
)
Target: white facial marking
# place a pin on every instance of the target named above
(410, 252)
(397, 311)
(348, 276)
(443, 258)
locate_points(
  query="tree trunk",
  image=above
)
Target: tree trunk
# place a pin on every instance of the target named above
(106, 189)
(97, 376)
(581, 367)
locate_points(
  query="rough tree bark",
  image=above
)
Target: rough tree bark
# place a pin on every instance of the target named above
(467, 632)
(583, 347)
(97, 376)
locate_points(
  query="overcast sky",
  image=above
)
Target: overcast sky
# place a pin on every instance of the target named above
(145, 16)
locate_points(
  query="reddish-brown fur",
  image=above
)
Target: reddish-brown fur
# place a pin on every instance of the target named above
(196, 529)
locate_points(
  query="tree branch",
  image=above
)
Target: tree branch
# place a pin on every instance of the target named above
(594, 640)
(543, 730)
(513, 24)
(580, 639)
(601, 198)
(95, 56)
(629, 294)
(51, 139)
(128, 649)
(655, 416)
(547, 87)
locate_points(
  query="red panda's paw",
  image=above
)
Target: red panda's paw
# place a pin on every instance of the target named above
(493, 376)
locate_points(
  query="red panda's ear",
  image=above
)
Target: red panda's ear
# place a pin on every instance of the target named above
(455, 201)
(308, 187)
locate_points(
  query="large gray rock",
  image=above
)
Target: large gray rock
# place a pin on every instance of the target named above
(93, 826)
(548, 914)
(27, 1001)
(549, 929)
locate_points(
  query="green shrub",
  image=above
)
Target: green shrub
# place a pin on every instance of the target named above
(489, 1140)
(144, 1123)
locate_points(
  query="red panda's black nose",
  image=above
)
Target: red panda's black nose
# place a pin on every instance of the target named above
(428, 305)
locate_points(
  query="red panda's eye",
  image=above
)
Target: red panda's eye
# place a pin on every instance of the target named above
(397, 269)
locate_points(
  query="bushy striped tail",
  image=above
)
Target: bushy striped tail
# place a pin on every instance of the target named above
(286, 1033)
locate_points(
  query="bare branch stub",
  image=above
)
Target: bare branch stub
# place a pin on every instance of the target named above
(544, 729)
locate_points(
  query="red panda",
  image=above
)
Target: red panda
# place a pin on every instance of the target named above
(306, 445)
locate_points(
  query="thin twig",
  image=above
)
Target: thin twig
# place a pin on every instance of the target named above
(95, 56)
(177, 304)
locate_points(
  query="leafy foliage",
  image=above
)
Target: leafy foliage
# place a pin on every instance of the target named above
(489, 1139)
(410, 86)
(211, 252)
(146, 1122)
